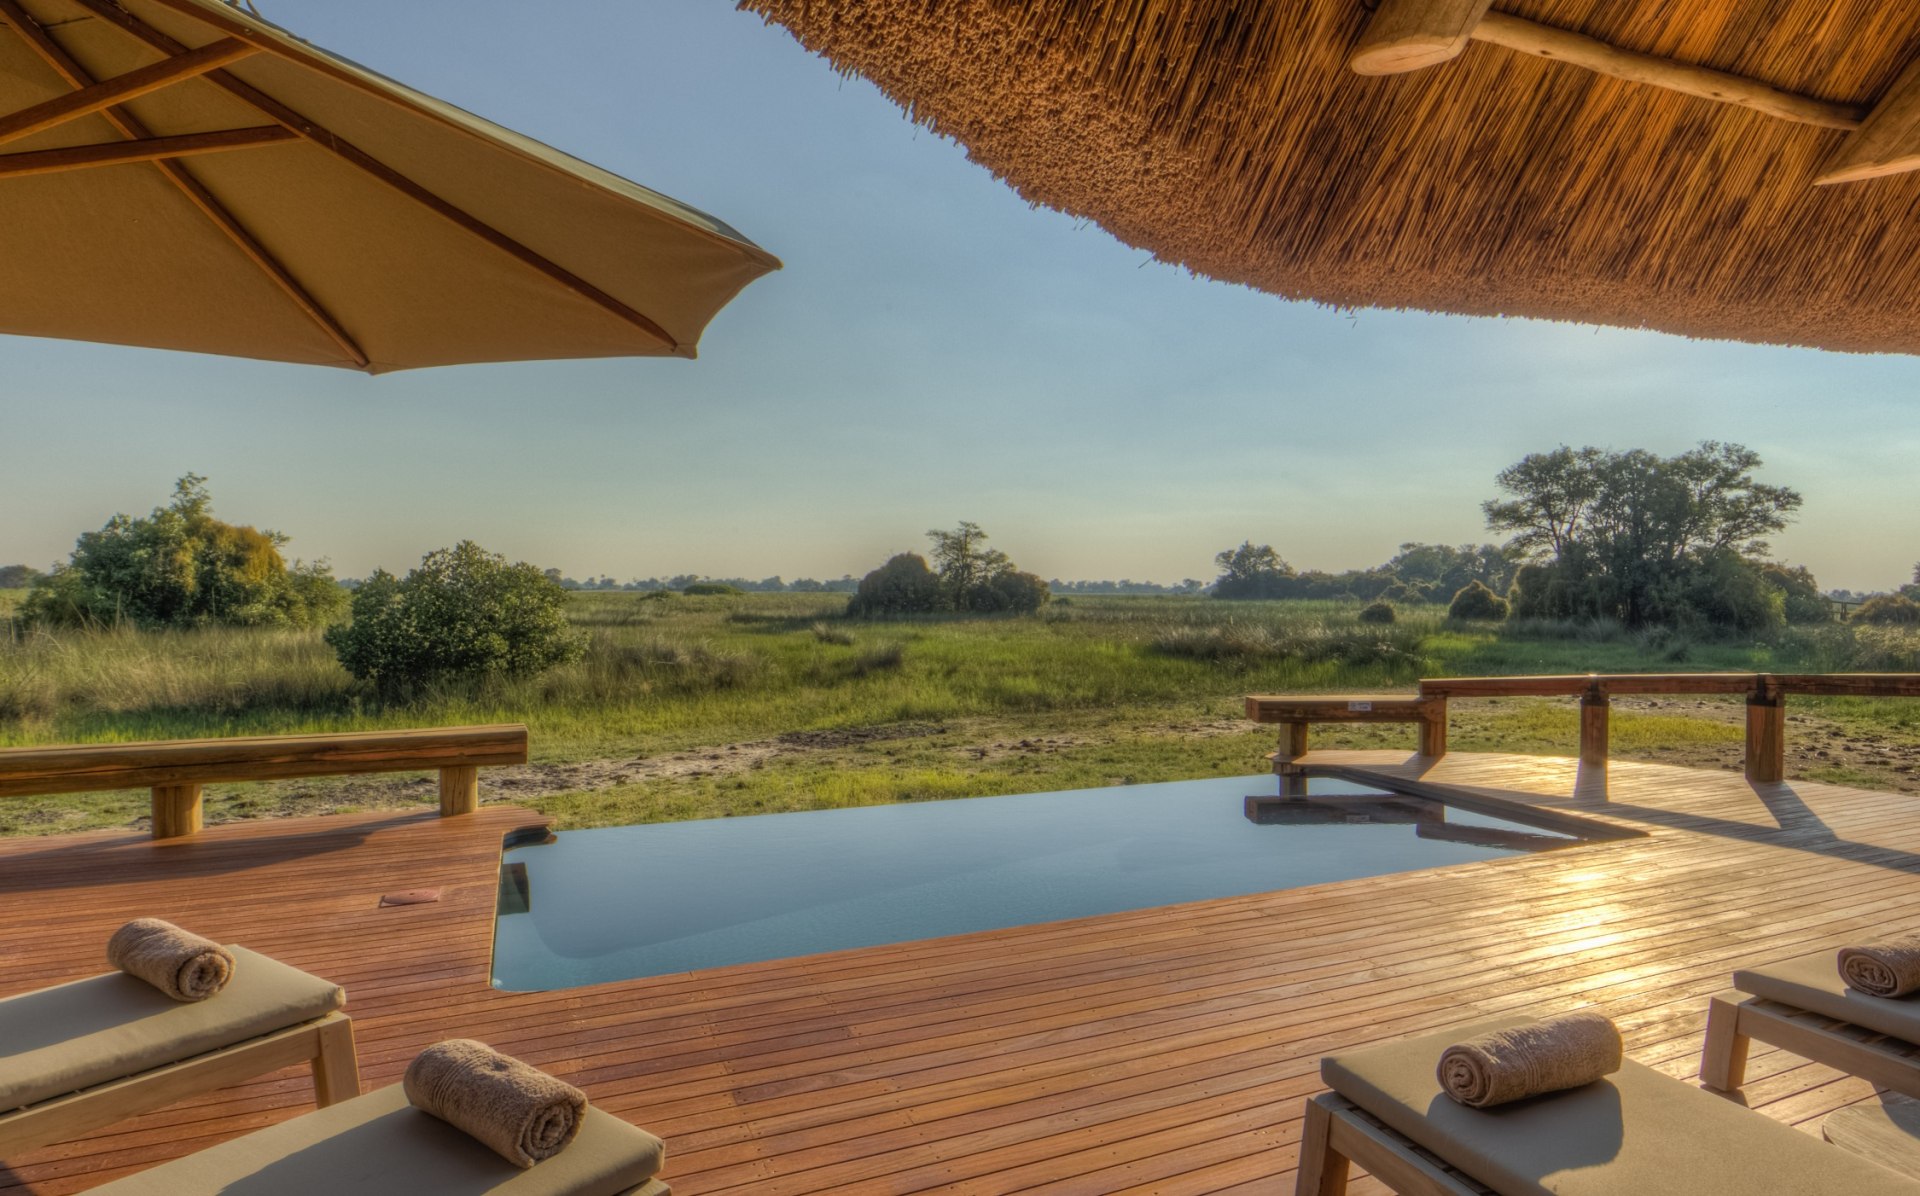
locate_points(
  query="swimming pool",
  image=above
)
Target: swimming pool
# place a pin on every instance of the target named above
(585, 907)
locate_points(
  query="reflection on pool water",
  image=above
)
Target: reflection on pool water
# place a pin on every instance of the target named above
(583, 907)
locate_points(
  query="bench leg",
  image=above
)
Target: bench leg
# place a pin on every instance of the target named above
(1293, 742)
(1323, 1170)
(176, 811)
(1723, 1062)
(336, 1070)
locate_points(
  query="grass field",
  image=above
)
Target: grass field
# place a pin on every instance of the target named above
(705, 706)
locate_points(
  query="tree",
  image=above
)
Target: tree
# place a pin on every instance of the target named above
(1639, 537)
(14, 577)
(1552, 492)
(902, 586)
(967, 566)
(1444, 568)
(1251, 571)
(974, 577)
(1801, 598)
(181, 567)
(464, 614)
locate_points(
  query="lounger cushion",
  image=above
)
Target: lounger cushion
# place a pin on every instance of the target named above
(379, 1145)
(73, 1036)
(1637, 1131)
(1813, 982)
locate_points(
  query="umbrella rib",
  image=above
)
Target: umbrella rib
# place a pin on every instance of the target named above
(69, 68)
(108, 92)
(320, 136)
(143, 149)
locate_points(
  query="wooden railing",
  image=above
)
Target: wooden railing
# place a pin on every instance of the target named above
(1766, 694)
(176, 770)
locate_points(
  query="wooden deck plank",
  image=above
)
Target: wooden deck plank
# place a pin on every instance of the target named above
(1164, 1050)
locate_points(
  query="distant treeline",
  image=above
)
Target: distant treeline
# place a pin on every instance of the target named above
(680, 581)
(846, 584)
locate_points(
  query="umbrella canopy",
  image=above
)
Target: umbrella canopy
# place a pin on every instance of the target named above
(181, 174)
(1721, 168)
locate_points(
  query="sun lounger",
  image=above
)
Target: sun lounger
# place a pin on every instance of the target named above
(1803, 1006)
(79, 1056)
(379, 1145)
(1636, 1131)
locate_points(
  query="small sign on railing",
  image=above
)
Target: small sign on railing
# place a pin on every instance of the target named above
(1360, 707)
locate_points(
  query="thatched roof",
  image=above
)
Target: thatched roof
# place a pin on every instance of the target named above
(1231, 137)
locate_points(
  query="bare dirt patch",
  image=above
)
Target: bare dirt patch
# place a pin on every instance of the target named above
(528, 781)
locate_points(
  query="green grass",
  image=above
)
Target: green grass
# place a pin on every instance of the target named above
(1127, 689)
(700, 670)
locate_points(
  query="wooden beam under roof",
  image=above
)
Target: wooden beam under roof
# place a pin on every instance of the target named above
(69, 68)
(1561, 45)
(1889, 141)
(175, 68)
(318, 135)
(1409, 35)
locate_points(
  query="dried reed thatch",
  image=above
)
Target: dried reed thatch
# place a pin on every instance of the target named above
(1229, 136)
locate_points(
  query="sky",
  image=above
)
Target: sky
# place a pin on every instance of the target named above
(935, 350)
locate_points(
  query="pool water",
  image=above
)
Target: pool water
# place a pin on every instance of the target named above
(584, 907)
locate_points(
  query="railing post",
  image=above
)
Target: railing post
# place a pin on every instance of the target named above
(176, 811)
(1766, 731)
(1596, 710)
(1433, 729)
(459, 790)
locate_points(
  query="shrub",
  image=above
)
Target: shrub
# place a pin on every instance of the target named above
(1895, 610)
(465, 613)
(1014, 591)
(1476, 602)
(181, 567)
(1377, 612)
(711, 589)
(1234, 642)
(878, 659)
(831, 635)
(902, 586)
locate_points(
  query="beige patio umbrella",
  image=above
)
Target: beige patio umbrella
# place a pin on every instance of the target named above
(181, 174)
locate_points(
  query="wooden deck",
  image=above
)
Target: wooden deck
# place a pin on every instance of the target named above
(1164, 1050)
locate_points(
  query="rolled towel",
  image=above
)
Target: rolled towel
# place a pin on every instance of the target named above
(1888, 968)
(179, 963)
(523, 1114)
(1540, 1057)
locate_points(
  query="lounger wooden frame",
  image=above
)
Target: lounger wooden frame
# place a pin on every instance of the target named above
(1734, 1019)
(1337, 1134)
(326, 1044)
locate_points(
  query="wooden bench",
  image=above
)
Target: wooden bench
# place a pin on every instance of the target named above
(1766, 694)
(176, 770)
(1296, 712)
